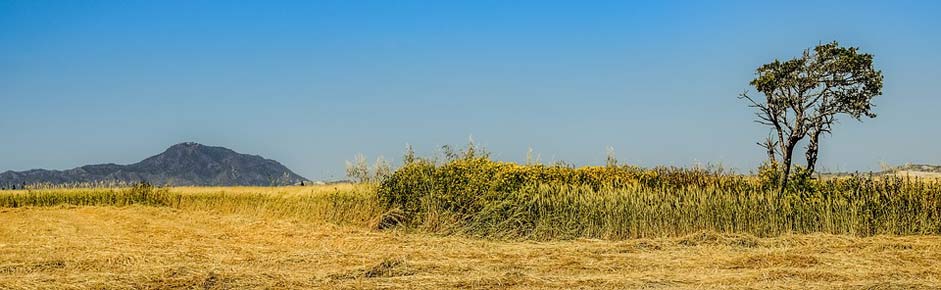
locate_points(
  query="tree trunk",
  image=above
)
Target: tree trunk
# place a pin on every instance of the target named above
(786, 157)
(812, 149)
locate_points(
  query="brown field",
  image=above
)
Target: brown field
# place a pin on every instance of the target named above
(67, 247)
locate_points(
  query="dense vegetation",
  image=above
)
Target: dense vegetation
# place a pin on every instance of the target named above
(478, 196)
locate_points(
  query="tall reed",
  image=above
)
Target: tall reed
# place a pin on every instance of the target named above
(497, 199)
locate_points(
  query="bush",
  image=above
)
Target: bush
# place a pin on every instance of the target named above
(467, 185)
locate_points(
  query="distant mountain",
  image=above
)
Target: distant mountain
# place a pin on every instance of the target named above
(181, 164)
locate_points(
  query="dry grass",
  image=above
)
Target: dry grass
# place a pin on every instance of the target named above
(233, 190)
(322, 237)
(339, 204)
(281, 190)
(159, 247)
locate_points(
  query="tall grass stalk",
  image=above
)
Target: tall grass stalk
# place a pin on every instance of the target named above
(496, 199)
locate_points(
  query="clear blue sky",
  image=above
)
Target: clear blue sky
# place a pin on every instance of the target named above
(312, 83)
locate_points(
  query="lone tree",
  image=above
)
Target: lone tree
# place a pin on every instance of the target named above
(803, 96)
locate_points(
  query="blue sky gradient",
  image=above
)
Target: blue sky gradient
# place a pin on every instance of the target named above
(312, 83)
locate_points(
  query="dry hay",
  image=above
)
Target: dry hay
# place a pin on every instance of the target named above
(152, 247)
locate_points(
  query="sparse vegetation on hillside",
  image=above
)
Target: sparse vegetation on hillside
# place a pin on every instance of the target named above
(915, 168)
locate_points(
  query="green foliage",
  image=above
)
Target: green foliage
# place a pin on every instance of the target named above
(769, 175)
(804, 95)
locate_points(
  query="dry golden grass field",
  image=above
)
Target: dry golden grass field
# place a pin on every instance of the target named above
(319, 237)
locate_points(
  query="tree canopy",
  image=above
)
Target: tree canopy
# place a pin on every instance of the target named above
(803, 96)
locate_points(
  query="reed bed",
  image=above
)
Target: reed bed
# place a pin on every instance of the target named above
(480, 197)
(560, 211)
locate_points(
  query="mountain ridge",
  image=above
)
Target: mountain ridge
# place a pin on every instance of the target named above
(183, 164)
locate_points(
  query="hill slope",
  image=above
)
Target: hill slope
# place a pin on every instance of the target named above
(916, 170)
(182, 164)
